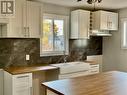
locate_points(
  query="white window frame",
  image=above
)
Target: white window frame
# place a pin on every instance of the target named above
(66, 34)
(123, 33)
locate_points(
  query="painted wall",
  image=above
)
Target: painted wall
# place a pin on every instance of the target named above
(115, 58)
(55, 9)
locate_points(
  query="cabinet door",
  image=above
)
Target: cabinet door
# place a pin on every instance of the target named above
(22, 84)
(103, 20)
(112, 21)
(84, 23)
(80, 21)
(74, 25)
(33, 16)
(16, 23)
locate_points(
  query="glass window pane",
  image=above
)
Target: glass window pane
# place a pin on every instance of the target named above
(59, 35)
(47, 36)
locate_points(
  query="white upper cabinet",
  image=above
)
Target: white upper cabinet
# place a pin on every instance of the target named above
(15, 28)
(32, 19)
(26, 22)
(80, 22)
(103, 20)
(113, 21)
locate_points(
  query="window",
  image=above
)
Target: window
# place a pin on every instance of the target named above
(54, 39)
(124, 32)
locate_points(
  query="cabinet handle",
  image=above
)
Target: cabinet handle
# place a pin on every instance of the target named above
(107, 24)
(94, 66)
(28, 31)
(111, 25)
(24, 31)
(22, 76)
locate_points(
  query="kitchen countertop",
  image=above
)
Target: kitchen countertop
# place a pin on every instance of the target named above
(109, 83)
(21, 70)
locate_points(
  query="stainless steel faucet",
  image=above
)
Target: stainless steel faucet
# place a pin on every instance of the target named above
(65, 57)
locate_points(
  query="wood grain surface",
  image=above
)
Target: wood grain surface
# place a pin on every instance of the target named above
(21, 70)
(108, 83)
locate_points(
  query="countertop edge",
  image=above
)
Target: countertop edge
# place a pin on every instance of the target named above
(29, 69)
(53, 90)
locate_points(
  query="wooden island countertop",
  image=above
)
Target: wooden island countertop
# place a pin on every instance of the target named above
(108, 83)
(21, 70)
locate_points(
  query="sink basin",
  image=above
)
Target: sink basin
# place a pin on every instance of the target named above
(71, 67)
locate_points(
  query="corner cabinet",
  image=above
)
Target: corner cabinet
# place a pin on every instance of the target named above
(20, 84)
(80, 22)
(104, 20)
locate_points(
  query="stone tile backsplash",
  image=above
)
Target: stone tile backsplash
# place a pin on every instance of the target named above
(14, 50)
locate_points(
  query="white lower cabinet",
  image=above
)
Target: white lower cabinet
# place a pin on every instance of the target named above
(94, 69)
(1, 81)
(20, 84)
(75, 74)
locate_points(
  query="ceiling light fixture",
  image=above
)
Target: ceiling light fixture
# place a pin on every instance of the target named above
(91, 1)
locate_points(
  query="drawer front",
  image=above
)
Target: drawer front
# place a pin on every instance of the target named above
(94, 66)
(72, 75)
(22, 84)
(94, 71)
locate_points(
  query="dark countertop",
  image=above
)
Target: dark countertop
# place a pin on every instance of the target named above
(21, 70)
(109, 83)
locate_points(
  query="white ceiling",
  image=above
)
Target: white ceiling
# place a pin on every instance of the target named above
(106, 4)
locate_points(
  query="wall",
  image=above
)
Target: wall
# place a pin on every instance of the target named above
(115, 58)
(14, 50)
(55, 9)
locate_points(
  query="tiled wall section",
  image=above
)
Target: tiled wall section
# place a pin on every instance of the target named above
(13, 51)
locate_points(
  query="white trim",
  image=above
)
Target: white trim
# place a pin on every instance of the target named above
(123, 35)
(66, 34)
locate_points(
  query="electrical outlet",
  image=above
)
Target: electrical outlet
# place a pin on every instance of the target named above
(27, 57)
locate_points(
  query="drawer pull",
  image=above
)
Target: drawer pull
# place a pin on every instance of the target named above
(22, 76)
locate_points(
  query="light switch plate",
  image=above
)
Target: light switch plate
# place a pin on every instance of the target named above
(27, 57)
